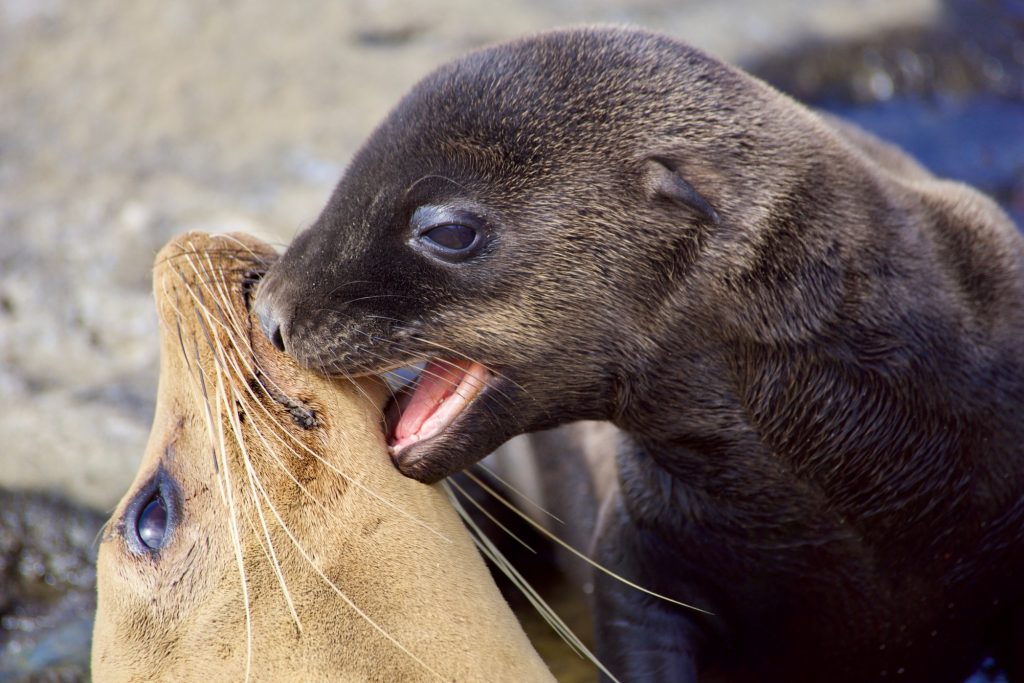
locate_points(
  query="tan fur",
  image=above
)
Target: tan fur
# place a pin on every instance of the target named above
(394, 547)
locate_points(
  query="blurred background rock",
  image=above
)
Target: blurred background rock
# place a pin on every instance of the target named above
(122, 124)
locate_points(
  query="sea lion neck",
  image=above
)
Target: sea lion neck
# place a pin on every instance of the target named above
(686, 398)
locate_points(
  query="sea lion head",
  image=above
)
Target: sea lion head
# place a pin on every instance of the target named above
(511, 221)
(267, 535)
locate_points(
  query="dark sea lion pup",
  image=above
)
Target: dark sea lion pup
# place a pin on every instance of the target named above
(814, 347)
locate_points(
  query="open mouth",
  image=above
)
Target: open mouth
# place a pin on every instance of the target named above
(434, 399)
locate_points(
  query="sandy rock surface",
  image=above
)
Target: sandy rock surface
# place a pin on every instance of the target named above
(122, 124)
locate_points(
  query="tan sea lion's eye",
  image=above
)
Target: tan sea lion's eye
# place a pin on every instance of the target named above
(151, 526)
(150, 519)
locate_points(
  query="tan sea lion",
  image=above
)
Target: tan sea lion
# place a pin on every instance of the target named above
(267, 535)
(812, 345)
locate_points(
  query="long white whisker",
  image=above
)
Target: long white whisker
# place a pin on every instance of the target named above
(488, 515)
(540, 527)
(227, 496)
(355, 482)
(251, 475)
(316, 568)
(488, 548)
(522, 496)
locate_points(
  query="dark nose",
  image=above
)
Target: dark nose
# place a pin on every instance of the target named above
(270, 323)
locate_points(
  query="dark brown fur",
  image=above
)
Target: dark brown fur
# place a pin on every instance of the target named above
(813, 345)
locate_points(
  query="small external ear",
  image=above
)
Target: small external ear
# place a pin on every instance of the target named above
(662, 180)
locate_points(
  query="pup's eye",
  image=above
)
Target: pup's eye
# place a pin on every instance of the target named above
(151, 525)
(453, 237)
(447, 234)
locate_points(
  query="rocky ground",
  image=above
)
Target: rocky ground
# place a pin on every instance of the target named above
(122, 124)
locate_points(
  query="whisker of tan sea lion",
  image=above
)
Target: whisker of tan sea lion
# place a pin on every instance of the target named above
(266, 543)
(201, 305)
(284, 436)
(227, 496)
(257, 425)
(193, 373)
(209, 407)
(231, 253)
(225, 300)
(253, 480)
(225, 273)
(522, 496)
(238, 332)
(231, 391)
(228, 252)
(273, 425)
(222, 397)
(491, 551)
(540, 527)
(221, 275)
(221, 299)
(488, 515)
(177, 325)
(101, 533)
(221, 365)
(226, 367)
(256, 484)
(259, 258)
(316, 568)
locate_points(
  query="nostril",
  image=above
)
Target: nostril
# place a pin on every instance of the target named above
(270, 326)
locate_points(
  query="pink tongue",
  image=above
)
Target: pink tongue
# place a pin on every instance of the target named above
(437, 382)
